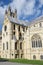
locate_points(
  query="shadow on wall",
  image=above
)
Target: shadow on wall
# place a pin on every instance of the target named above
(3, 60)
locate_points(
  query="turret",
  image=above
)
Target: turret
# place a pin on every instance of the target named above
(9, 12)
(15, 13)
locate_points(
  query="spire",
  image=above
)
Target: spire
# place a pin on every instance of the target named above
(5, 11)
(16, 13)
(9, 8)
(15, 10)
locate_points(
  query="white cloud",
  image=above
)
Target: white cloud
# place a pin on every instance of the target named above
(41, 2)
(18, 4)
(23, 7)
(38, 12)
(2, 12)
(1, 3)
(29, 7)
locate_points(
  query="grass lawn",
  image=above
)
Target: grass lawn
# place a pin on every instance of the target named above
(25, 61)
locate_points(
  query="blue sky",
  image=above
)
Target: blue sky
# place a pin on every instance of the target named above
(26, 9)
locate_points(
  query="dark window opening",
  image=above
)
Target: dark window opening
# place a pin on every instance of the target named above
(20, 36)
(23, 28)
(21, 45)
(5, 28)
(7, 45)
(16, 46)
(21, 55)
(41, 57)
(16, 55)
(12, 54)
(14, 26)
(19, 28)
(33, 43)
(34, 57)
(13, 33)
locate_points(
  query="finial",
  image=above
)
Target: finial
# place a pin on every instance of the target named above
(15, 10)
(9, 8)
(5, 11)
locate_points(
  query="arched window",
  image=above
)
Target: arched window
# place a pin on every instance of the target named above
(41, 57)
(5, 28)
(21, 45)
(20, 36)
(34, 57)
(7, 45)
(15, 45)
(36, 41)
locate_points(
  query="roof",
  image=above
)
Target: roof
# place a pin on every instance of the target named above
(20, 22)
(25, 23)
(37, 20)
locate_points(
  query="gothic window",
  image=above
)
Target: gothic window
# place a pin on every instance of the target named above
(20, 36)
(21, 45)
(15, 45)
(21, 55)
(5, 28)
(14, 26)
(16, 55)
(33, 43)
(19, 28)
(36, 41)
(13, 33)
(7, 45)
(23, 28)
(12, 54)
(41, 57)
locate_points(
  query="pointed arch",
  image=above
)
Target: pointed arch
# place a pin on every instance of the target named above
(36, 41)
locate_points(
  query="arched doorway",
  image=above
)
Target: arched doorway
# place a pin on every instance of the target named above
(34, 57)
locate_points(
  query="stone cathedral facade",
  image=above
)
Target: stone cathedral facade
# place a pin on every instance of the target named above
(21, 39)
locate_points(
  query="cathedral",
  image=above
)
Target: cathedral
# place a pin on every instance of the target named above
(21, 39)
